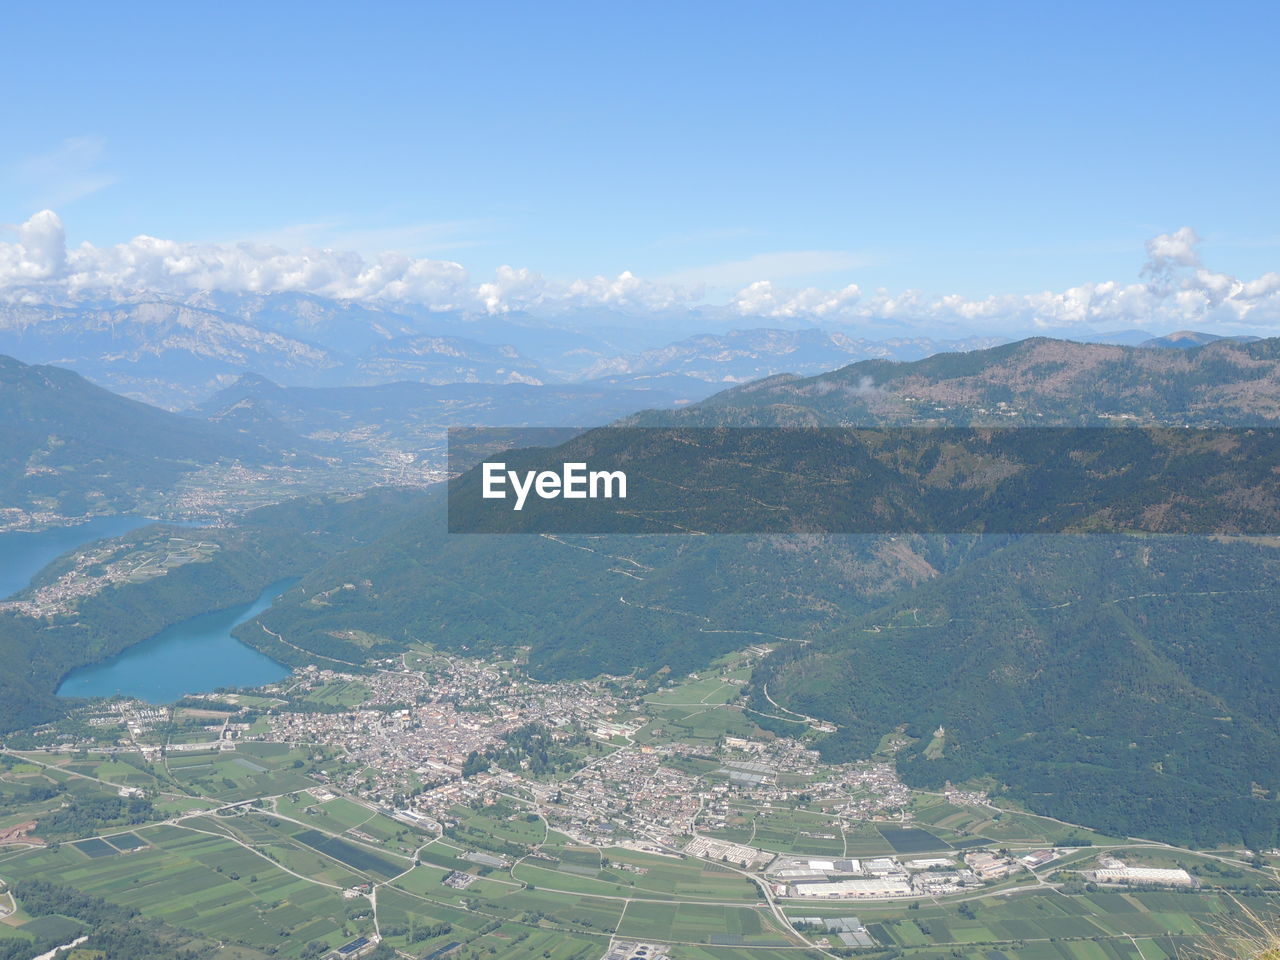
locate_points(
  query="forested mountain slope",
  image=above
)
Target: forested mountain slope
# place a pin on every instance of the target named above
(1123, 682)
(69, 446)
(1089, 675)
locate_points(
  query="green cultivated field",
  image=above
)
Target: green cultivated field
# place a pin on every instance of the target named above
(95, 848)
(338, 693)
(358, 857)
(787, 830)
(515, 922)
(210, 885)
(912, 840)
(708, 690)
(698, 723)
(1002, 826)
(252, 770)
(702, 923)
(1050, 926)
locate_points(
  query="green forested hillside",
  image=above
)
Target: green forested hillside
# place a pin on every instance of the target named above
(1127, 683)
(72, 447)
(586, 605)
(899, 480)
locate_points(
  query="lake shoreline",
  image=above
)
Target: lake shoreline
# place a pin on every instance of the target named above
(199, 653)
(25, 554)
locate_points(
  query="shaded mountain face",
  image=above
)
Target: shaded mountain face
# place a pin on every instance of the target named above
(1122, 682)
(68, 447)
(586, 605)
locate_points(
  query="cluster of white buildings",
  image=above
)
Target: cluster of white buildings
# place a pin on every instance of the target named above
(627, 794)
(879, 888)
(881, 878)
(713, 849)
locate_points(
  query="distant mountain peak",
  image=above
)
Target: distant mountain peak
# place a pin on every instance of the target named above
(254, 380)
(1188, 339)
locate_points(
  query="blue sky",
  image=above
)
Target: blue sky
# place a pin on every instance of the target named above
(973, 148)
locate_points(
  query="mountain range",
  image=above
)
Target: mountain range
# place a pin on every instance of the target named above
(70, 448)
(1031, 382)
(177, 353)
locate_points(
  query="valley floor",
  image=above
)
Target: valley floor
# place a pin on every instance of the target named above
(438, 806)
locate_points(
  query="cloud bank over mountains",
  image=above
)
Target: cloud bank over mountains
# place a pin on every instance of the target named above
(1175, 289)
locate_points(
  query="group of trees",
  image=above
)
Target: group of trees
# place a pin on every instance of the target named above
(533, 746)
(115, 932)
(84, 816)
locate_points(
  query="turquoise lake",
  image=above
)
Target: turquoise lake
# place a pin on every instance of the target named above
(194, 656)
(23, 555)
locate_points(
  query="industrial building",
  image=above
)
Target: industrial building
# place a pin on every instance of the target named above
(1154, 876)
(866, 887)
(849, 930)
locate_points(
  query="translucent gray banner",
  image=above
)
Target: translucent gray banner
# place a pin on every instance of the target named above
(856, 480)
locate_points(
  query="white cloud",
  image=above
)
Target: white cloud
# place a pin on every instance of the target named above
(40, 253)
(1169, 251)
(1176, 289)
(763, 299)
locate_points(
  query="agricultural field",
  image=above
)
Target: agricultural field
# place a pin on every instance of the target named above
(1005, 826)
(911, 840)
(703, 923)
(706, 724)
(253, 770)
(632, 875)
(208, 884)
(1043, 926)
(710, 689)
(338, 693)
